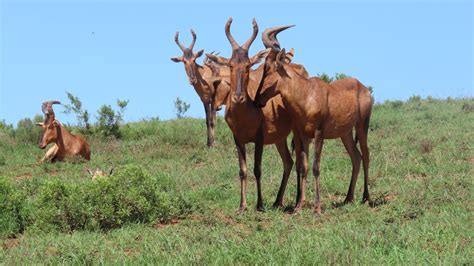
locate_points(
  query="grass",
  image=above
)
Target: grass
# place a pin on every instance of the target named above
(421, 186)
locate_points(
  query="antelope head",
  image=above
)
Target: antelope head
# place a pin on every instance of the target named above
(188, 58)
(98, 172)
(240, 63)
(212, 65)
(274, 66)
(49, 125)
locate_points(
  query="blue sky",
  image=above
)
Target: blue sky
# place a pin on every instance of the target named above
(104, 50)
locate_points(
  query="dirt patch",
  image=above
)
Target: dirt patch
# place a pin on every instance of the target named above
(199, 164)
(164, 225)
(228, 220)
(382, 199)
(53, 173)
(413, 177)
(23, 177)
(130, 252)
(10, 243)
(426, 146)
(51, 252)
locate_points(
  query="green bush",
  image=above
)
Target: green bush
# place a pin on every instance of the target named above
(181, 107)
(58, 206)
(6, 128)
(108, 120)
(11, 204)
(82, 115)
(130, 195)
(27, 131)
(133, 196)
(395, 104)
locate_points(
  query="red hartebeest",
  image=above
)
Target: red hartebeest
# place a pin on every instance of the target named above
(211, 86)
(249, 122)
(321, 111)
(65, 143)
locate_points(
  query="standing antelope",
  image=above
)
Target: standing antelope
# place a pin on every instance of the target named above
(212, 89)
(270, 124)
(65, 143)
(321, 111)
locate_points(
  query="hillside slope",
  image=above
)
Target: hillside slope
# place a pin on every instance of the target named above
(421, 182)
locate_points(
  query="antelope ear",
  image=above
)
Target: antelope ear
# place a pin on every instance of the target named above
(55, 123)
(290, 55)
(218, 59)
(280, 58)
(176, 59)
(111, 170)
(199, 53)
(40, 124)
(89, 171)
(259, 56)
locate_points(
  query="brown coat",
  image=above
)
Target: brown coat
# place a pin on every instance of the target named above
(322, 111)
(65, 143)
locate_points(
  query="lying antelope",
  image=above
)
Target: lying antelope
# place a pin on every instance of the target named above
(210, 84)
(321, 111)
(250, 123)
(65, 143)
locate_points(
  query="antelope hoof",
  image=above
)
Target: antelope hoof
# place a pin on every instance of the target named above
(297, 209)
(277, 205)
(300, 205)
(366, 198)
(317, 211)
(349, 200)
(241, 210)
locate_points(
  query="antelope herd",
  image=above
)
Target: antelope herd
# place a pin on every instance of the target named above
(263, 106)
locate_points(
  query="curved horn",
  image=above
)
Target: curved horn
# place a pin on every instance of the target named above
(191, 46)
(206, 60)
(269, 36)
(231, 39)
(176, 39)
(47, 107)
(247, 44)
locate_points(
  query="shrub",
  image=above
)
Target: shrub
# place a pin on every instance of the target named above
(58, 206)
(82, 116)
(7, 133)
(396, 104)
(414, 99)
(6, 128)
(468, 107)
(27, 131)
(340, 76)
(11, 204)
(130, 195)
(325, 77)
(108, 120)
(181, 107)
(371, 89)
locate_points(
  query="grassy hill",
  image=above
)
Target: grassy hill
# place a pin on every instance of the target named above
(173, 200)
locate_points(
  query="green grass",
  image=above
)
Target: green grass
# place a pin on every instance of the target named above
(421, 185)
